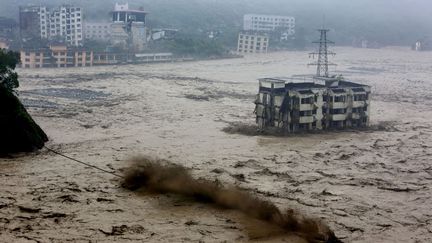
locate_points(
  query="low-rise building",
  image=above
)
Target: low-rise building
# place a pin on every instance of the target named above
(4, 44)
(252, 42)
(56, 56)
(306, 106)
(268, 23)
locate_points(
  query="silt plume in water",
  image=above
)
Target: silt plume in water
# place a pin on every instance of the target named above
(160, 176)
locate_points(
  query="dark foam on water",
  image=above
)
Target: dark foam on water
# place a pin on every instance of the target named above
(162, 177)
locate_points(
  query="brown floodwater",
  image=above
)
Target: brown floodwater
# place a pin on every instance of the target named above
(367, 186)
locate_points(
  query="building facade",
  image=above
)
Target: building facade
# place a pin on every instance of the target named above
(56, 56)
(60, 56)
(252, 42)
(307, 106)
(268, 23)
(63, 23)
(97, 31)
(128, 27)
(4, 44)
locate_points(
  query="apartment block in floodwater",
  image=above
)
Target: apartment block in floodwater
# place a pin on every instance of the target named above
(321, 102)
(306, 106)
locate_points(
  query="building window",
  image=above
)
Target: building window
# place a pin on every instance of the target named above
(340, 98)
(305, 113)
(307, 100)
(337, 111)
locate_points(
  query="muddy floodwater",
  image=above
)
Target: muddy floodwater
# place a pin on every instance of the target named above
(368, 186)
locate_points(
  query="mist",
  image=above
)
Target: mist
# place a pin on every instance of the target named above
(385, 21)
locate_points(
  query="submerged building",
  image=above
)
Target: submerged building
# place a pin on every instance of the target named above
(320, 103)
(311, 106)
(252, 42)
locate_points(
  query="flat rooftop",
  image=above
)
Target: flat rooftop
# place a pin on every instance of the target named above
(307, 82)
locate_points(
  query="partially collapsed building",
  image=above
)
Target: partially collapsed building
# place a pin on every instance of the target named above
(321, 103)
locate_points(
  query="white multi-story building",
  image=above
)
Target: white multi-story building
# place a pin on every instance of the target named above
(257, 22)
(64, 22)
(97, 31)
(252, 42)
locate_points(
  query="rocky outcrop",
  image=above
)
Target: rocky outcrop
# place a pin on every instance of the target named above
(18, 131)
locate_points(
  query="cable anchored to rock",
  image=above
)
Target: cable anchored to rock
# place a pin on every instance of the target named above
(84, 163)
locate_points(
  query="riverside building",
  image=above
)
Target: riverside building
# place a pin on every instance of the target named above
(321, 102)
(252, 42)
(63, 22)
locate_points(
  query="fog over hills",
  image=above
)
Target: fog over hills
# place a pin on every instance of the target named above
(386, 21)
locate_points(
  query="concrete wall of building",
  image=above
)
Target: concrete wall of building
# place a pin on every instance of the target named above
(257, 22)
(252, 43)
(64, 22)
(97, 31)
(314, 108)
(4, 45)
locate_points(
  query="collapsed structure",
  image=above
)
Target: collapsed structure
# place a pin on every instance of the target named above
(321, 103)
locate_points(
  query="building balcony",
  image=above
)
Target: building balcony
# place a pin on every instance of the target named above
(338, 105)
(306, 107)
(338, 117)
(355, 116)
(357, 104)
(306, 119)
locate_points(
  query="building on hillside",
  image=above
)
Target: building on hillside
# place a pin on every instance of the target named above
(4, 44)
(252, 42)
(424, 44)
(269, 23)
(62, 23)
(129, 27)
(163, 34)
(97, 31)
(56, 56)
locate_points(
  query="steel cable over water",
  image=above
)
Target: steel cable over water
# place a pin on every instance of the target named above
(84, 163)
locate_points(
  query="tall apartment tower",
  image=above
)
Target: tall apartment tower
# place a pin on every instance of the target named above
(66, 22)
(33, 22)
(63, 23)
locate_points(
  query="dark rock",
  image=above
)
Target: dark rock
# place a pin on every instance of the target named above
(19, 132)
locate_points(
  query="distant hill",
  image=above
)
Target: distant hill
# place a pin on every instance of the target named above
(386, 21)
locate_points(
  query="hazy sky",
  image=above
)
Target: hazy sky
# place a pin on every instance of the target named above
(402, 19)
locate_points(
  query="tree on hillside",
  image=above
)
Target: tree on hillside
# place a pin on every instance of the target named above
(8, 77)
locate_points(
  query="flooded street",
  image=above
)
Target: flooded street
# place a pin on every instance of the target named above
(369, 186)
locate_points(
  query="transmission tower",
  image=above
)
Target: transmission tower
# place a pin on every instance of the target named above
(323, 53)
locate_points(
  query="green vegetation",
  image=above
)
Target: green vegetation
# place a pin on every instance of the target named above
(8, 77)
(19, 132)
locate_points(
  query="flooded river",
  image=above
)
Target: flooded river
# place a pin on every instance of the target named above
(368, 186)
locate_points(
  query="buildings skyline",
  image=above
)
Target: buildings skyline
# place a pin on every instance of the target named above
(63, 23)
(268, 23)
